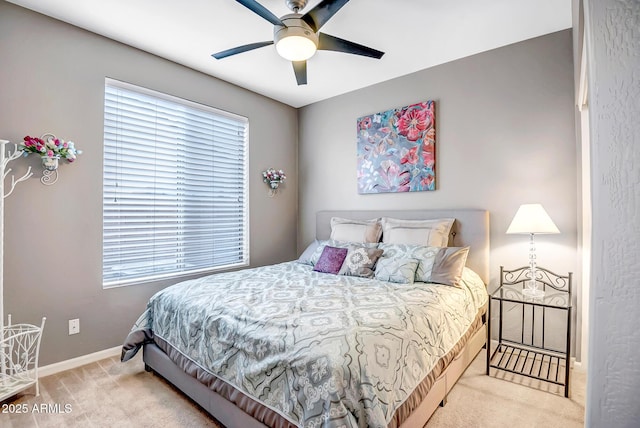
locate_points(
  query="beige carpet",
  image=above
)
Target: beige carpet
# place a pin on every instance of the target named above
(111, 394)
(508, 400)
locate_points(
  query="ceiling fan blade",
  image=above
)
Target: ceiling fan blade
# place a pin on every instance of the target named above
(331, 43)
(300, 68)
(319, 15)
(258, 9)
(240, 49)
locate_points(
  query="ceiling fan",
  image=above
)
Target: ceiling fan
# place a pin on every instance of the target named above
(297, 36)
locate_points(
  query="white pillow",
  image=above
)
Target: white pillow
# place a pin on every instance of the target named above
(432, 233)
(362, 231)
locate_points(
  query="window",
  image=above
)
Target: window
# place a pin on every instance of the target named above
(174, 187)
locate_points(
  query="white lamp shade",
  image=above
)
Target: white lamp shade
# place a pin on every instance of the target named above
(532, 218)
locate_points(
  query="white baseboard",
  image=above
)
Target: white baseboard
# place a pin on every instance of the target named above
(78, 361)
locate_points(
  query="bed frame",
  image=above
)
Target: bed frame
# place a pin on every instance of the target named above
(470, 228)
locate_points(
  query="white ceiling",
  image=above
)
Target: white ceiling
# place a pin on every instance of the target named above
(415, 34)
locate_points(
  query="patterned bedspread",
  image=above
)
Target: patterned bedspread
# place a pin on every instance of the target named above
(319, 349)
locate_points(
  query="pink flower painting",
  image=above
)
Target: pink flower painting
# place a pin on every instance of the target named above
(396, 150)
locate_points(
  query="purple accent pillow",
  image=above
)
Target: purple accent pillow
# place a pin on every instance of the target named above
(331, 260)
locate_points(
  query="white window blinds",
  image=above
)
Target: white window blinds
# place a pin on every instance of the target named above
(174, 187)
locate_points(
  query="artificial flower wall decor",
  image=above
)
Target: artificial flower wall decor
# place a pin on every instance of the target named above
(273, 177)
(50, 149)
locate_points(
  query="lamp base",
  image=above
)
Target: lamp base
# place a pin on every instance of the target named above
(533, 292)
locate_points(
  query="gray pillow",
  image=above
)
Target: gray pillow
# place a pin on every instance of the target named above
(360, 261)
(305, 257)
(402, 271)
(448, 265)
(425, 256)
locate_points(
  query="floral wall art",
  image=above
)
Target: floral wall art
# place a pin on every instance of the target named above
(396, 150)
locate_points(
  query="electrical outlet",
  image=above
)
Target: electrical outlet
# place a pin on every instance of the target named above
(74, 326)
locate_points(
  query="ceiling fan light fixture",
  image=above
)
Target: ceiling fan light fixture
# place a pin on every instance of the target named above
(296, 48)
(296, 41)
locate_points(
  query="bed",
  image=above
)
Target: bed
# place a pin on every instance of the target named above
(286, 345)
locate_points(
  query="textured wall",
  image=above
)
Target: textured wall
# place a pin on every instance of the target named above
(52, 80)
(613, 33)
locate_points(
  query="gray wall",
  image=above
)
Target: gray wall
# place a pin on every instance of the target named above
(52, 80)
(505, 136)
(613, 382)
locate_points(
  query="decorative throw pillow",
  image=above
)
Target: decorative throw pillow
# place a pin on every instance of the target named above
(402, 271)
(425, 256)
(360, 261)
(331, 260)
(315, 256)
(434, 233)
(344, 229)
(448, 265)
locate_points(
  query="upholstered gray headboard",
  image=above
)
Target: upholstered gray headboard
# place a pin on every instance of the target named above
(471, 228)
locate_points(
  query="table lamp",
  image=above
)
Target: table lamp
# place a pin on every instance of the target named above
(532, 219)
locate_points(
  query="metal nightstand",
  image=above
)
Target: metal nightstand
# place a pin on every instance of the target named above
(527, 354)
